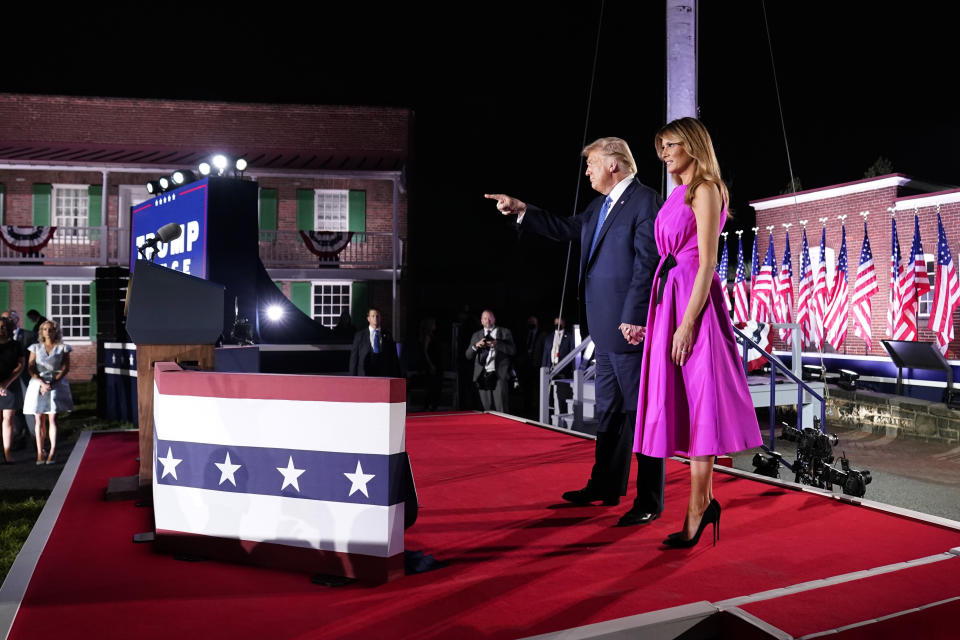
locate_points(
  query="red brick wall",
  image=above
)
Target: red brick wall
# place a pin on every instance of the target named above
(878, 225)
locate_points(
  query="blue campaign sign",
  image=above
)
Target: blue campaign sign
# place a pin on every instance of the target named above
(187, 206)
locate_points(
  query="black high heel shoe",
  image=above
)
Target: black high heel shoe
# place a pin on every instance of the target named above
(710, 515)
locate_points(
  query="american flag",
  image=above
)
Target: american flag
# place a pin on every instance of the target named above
(913, 283)
(838, 313)
(865, 288)
(754, 272)
(784, 299)
(821, 292)
(805, 296)
(741, 311)
(946, 293)
(763, 287)
(896, 275)
(722, 272)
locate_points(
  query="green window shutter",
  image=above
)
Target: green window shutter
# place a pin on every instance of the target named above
(359, 303)
(35, 297)
(95, 192)
(41, 204)
(268, 214)
(305, 209)
(5, 297)
(301, 295)
(93, 310)
(357, 215)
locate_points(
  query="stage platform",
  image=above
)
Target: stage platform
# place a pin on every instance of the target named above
(520, 562)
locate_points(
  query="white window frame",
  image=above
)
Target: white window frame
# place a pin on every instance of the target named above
(329, 319)
(50, 314)
(331, 209)
(925, 302)
(80, 221)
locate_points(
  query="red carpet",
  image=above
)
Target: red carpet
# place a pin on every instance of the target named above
(520, 563)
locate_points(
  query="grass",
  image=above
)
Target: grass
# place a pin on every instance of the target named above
(20, 508)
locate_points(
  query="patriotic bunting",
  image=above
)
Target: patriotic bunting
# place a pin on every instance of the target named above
(326, 244)
(26, 239)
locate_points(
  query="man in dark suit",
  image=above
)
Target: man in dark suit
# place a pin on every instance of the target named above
(23, 425)
(374, 353)
(492, 350)
(618, 256)
(557, 345)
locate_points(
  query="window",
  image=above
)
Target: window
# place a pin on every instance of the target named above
(330, 299)
(69, 305)
(331, 209)
(925, 302)
(71, 205)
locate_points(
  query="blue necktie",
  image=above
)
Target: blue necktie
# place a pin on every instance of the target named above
(603, 216)
(376, 340)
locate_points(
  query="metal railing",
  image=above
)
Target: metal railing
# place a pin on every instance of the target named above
(369, 250)
(76, 246)
(776, 364)
(550, 376)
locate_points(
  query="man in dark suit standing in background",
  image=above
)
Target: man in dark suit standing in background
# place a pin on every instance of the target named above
(374, 353)
(23, 425)
(492, 350)
(618, 255)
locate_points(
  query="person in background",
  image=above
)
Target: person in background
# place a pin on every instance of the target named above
(492, 350)
(48, 392)
(11, 363)
(37, 319)
(23, 425)
(374, 353)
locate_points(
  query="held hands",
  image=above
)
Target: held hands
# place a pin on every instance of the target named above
(506, 205)
(682, 344)
(633, 333)
(44, 387)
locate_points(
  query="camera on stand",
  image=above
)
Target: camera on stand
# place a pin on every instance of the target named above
(815, 457)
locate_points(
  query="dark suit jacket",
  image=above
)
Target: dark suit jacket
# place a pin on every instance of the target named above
(364, 362)
(26, 338)
(615, 282)
(503, 352)
(566, 346)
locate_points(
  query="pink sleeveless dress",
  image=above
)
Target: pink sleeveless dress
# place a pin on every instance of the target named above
(703, 407)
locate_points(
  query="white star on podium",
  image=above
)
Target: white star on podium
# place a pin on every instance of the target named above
(170, 464)
(227, 470)
(359, 480)
(290, 475)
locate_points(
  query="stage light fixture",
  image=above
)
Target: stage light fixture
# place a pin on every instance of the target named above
(153, 187)
(183, 177)
(848, 379)
(274, 313)
(241, 164)
(812, 372)
(204, 168)
(219, 163)
(164, 183)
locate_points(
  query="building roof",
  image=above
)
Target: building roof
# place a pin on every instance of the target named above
(37, 129)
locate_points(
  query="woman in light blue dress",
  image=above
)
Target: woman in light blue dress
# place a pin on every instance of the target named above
(48, 392)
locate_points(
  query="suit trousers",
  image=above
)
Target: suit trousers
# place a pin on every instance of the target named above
(617, 390)
(498, 399)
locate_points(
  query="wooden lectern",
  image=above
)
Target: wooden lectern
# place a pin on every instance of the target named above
(172, 317)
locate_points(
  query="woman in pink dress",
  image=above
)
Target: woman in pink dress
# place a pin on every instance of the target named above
(693, 399)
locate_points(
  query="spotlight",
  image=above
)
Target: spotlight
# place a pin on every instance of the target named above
(274, 313)
(220, 163)
(153, 187)
(767, 464)
(164, 183)
(183, 177)
(241, 164)
(812, 372)
(848, 379)
(204, 168)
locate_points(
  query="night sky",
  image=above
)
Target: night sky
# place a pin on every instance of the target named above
(499, 92)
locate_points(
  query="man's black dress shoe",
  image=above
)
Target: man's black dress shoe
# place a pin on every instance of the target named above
(586, 496)
(634, 516)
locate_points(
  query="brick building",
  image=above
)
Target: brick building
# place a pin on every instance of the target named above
(79, 164)
(883, 196)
